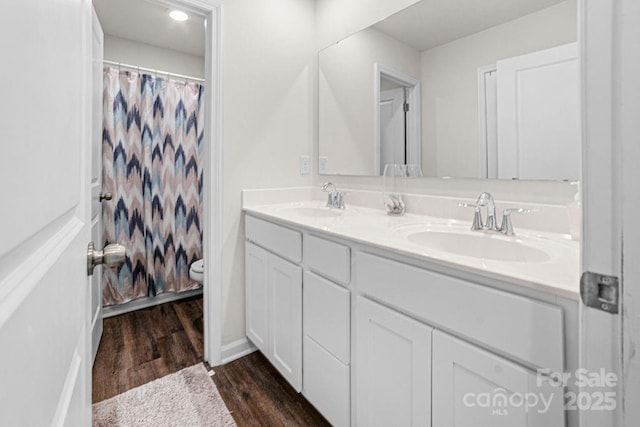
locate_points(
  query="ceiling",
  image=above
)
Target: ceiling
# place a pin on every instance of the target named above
(431, 23)
(147, 22)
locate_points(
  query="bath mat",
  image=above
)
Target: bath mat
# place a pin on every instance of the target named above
(186, 398)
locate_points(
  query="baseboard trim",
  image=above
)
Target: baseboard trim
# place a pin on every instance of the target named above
(140, 303)
(236, 350)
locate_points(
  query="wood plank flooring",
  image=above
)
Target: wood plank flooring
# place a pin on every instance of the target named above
(147, 344)
(257, 395)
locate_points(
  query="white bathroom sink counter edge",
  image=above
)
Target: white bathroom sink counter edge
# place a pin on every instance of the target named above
(558, 275)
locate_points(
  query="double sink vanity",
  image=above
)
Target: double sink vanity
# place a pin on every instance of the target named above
(439, 317)
(415, 319)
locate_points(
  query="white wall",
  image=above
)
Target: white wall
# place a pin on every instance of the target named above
(348, 124)
(145, 55)
(337, 19)
(450, 84)
(269, 92)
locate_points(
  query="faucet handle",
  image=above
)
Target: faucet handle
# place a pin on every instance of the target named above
(327, 185)
(339, 200)
(477, 217)
(507, 226)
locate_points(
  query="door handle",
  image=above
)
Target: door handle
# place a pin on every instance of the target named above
(112, 255)
(105, 196)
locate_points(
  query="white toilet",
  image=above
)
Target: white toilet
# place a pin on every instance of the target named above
(196, 271)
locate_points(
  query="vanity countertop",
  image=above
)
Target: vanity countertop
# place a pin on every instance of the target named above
(556, 273)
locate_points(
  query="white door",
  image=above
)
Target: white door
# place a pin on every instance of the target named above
(285, 280)
(393, 368)
(257, 289)
(539, 115)
(45, 122)
(473, 387)
(96, 178)
(392, 127)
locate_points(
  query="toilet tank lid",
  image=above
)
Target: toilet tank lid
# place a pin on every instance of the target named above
(198, 266)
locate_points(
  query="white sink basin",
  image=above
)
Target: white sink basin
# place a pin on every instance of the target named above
(481, 245)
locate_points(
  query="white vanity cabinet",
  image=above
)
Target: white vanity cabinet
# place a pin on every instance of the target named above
(301, 321)
(393, 368)
(373, 338)
(274, 296)
(468, 383)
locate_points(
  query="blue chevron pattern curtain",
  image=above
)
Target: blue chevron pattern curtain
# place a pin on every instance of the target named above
(152, 145)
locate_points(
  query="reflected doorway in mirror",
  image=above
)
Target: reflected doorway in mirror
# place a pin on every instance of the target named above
(396, 118)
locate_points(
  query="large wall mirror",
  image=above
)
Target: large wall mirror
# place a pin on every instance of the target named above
(461, 88)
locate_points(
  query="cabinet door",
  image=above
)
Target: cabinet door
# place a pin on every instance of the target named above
(472, 387)
(393, 368)
(257, 296)
(285, 281)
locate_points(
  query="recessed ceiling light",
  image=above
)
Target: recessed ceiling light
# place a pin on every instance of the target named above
(178, 15)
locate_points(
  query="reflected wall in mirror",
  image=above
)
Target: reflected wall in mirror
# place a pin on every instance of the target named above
(462, 88)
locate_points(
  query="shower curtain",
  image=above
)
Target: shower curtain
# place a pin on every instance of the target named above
(152, 144)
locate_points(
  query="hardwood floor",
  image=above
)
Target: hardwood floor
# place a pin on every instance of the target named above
(147, 344)
(257, 395)
(143, 345)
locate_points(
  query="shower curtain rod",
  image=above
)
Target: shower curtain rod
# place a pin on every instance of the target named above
(151, 70)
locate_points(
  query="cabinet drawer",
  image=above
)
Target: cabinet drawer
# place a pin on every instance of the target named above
(326, 384)
(528, 330)
(326, 308)
(327, 258)
(279, 240)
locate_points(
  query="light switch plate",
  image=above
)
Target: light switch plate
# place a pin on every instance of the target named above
(305, 165)
(323, 165)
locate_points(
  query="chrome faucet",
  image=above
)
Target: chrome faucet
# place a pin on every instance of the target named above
(335, 198)
(486, 200)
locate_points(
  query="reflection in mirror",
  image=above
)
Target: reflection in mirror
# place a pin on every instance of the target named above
(461, 88)
(397, 128)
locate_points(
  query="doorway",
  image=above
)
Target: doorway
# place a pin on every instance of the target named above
(150, 51)
(396, 118)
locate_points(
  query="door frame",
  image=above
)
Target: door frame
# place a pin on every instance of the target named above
(609, 30)
(211, 10)
(413, 130)
(96, 88)
(488, 143)
(626, 106)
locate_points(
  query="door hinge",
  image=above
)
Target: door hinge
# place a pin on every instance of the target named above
(406, 107)
(600, 291)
